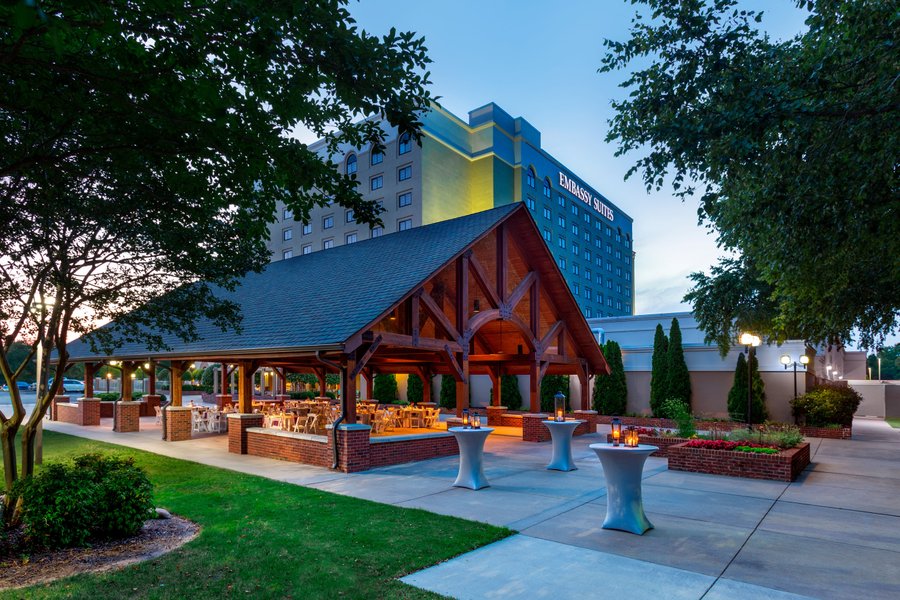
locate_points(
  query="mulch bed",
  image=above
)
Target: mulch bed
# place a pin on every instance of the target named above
(157, 537)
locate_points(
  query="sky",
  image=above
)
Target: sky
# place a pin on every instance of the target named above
(539, 60)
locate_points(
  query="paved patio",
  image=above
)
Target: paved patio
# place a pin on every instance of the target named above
(831, 534)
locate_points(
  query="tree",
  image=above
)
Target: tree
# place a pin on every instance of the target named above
(890, 362)
(143, 148)
(550, 385)
(737, 395)
(678, 378)
(415, 389)
(791, 147)
(510, 396)
(658, 368)
(611, 391)
(385, 388)
(448, 392)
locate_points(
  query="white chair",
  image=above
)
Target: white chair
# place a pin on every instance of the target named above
(158, 415)
(310, 426)
(198, 422)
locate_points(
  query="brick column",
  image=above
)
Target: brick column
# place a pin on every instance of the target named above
(128, 416)
(353, 447)
(587, 415)
(90, 410)
(178, 423)
(495, 415)
(532, 428)
(152, 403)
(238, 424)
(223, 400)
(54, 411)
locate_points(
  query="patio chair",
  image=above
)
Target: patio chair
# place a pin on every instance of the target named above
(379, 422)
(431, 417)
(158, 415)
(311, 420)
(198, 422)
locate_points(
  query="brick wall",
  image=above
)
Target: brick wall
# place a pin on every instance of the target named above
(238, 424)
(785, 466)
(178, 423)
(843, 433)
(670, 424)
(495, 415)
(386, 452)
(261, 442)
(128, 417)
(86, 412)
(149, 404)
(107, 409)
(54, 413)
(511, 420)
(533, 430)
(663, 443)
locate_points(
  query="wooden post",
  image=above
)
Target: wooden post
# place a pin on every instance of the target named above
(89, 380)
(370, 383)
(425, 374)
(348, 391)
(175, 381)
(127, 388)
(534, 388)
(323, 382)
(151, 376)
(496, 382)
(226, 388)
(585, 392)
(246, 370)
(462, 387)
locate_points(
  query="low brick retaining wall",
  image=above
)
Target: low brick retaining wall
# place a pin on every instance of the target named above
(840, 433)
(107, 409)
(663, 443)
(356, 450)
(784, 466)
(534, 430)
(85, 412)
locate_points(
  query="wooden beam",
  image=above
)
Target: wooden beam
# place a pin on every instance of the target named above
(554, 331)
(176, 371)
(544, 366)
(534, 388)
(366, 356)
(89, 379)
(521, 289)
(462, 387)
(454, 365)
(425, 343)
(496, 382)
(348, 389)
(502, 263)
(483, 282)
(246, 371)
(440, 318)
(462, 292)
(415, 326)
(535, 308)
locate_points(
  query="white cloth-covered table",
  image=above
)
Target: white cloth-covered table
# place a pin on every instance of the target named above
(561, 433)
(623, 468)
(471, 457)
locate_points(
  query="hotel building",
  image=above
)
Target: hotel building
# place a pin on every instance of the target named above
(466, 167)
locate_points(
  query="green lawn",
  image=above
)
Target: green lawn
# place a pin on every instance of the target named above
(894, 423)
(266, 539)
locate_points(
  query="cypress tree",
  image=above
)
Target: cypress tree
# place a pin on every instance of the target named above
(510, 396)
(415, 389)
(610, 391)
(758, 413)
(551, 384)
(385, 388)
(658, 373)
(448, 391)
(737, 396)
(678, 379)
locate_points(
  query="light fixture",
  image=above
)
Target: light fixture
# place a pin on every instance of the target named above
(786, 360)
(476, 420)
(108, 375)
(113, 363)
(559, 405)
(616, 425)
(193, 365)
(393, 316)
(465, 418)
(133, 375)
(146, 366)
(631, 437)
(804, 359)
(477, 308)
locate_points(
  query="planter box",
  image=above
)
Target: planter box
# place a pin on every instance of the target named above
(664, 443)
(841, 433)
(658, 423)
(784, 466)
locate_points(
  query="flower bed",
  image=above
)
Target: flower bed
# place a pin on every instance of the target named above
(703, 425)
(696, 456)
(663, 442)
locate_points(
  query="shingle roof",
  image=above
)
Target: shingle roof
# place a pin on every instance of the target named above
(323, 298)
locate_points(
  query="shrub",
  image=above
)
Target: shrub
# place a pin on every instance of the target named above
(110, 397)
(206, 378)
(826, 405)
(550, 385)
(448, 392)
(385, 388)
(610, 395)
(678, 378)
(677, 411)
(658, 371)
(737, 396)
(93, 498)
(415, 389)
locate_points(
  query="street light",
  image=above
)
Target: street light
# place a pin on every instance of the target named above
(786, 360)
(108, 378)
(749, 341)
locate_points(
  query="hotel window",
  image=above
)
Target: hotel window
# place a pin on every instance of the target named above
(575, 229)
(609, 248)
(588, 274)
(609, 284)
(587, 313)
(599, 279)
(376, 158)
(588, 293)
(562, 200)
(619, 271)
(619, 306)
(287, 254)
(587, 236)
(608, 266)
(598, 244)
(287, 234)
(576, 249)
(562, 263)
(404, 225)
(628, 240)
(627, 260)
(547, 235)
(307, 228)
(562, 242)
(529, 178)
(627, 276)
(350, 239)
(328, 222)
(377, 231)
(547, 214)
(307, 249)
(628, 307)
(587, 255)
(599, 262)
(287, 214)
(561, 221)
(628, 292)
(599, 298)
(577, 289)
(376, 183)
(351, 164)
(328, 244)
(547, 192)
(587, 217)
(618, 288)
(618, 254)
(576, 270)
(349, 216)
(404, 199)
(609, 302)
(618, 235)
(574, 209)
(608, 231)
(598, 225)
(404, 145)
(404, 173)
(530, 203)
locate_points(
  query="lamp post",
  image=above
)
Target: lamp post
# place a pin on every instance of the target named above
(786, 360)
(108, 377)
(879, 368)
(749, 341)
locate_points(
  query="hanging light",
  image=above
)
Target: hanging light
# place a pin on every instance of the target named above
(477, 307)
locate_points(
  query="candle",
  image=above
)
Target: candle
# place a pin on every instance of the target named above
(476, 421)
(466, 418)
(559, 415)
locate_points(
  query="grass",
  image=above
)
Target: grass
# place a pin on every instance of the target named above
(893, 422)
(266, 539)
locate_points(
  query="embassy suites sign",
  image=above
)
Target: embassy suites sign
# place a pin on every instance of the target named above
(585, 196)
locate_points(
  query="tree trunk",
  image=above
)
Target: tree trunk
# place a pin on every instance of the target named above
(8, 443)
(29, 433)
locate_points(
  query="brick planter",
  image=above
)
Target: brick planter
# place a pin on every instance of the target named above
(670, 424)
(784, 466)
(842, 433)
(128, 417)
(663, 443)
(178, 423)
(533, 430)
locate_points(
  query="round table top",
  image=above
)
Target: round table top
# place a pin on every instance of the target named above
(550, 422)
(470, 430)
(623, 448)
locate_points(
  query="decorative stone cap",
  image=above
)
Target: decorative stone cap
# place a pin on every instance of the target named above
(353, 427)
(129, 403)
(534, 415)
(178, 408)
(244, 416)
(492, 407)
(585, 412)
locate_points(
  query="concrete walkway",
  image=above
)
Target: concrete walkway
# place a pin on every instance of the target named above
(834, 533)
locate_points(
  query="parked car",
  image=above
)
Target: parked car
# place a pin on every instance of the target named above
(22, 385)
(70, 385)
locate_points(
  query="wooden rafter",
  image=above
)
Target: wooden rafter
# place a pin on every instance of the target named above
(483, 282)
(364, 359)
(439, 317)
